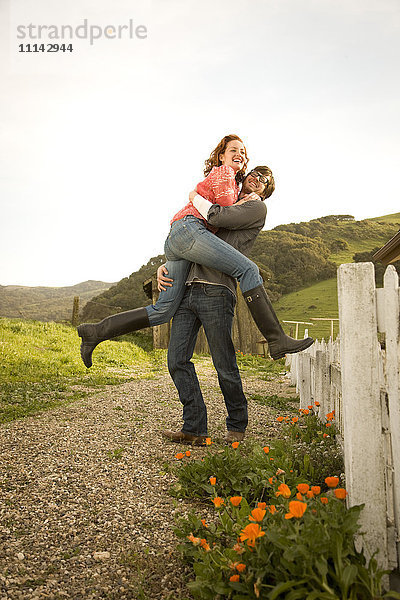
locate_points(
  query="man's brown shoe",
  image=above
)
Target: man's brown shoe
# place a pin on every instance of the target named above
(181, 436)
(234, 436)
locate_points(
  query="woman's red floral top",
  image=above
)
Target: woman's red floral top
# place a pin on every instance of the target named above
(219, 187)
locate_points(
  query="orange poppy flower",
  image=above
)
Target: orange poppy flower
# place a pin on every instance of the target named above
(241, 567)
(340, 493)
(238, 548)
(271, 480)
(257, 514)
(279, 472)
(262, 505)
(303, 488)
(295, 419)
(235, 577)
(299, 496)
(195, 540)
(272, 509)
(317, 404)
(296, 509)
(315, 489)
(330, 416)
(203, 544)
(332, 481)
(324, 500)
(235, 500)
(266, 449)
(325, 435)
(251, 532)
(310, 494)
(204, 523)
(284, 491)
(328, 424)
(309, 406)
(213, 480)
(305, 411)
(235, 445)
(208, 441)
(179, 456)
(280, 419)
(188, 453)
(217, 501)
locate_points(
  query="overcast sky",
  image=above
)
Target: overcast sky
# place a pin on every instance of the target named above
(100, 147)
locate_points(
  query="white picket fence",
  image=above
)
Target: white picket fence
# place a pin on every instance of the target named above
(357, 376)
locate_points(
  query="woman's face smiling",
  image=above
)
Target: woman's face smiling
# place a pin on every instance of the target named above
(234, 155)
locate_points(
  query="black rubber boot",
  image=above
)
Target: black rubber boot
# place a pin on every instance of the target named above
(267, 322)
(110, 327)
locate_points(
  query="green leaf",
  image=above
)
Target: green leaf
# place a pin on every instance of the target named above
(348, 576)
(284, 587)
(322, 566)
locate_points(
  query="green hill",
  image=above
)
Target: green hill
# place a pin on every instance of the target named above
(46, 303)
(344, 236)
(317, 300)
(126, 294)
(320, 299)
(298, 261)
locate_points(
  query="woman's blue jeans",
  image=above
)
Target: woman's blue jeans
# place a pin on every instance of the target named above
(190, 241)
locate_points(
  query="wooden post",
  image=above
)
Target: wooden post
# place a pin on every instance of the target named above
(75, 312)
(392, 376)
(362, 420)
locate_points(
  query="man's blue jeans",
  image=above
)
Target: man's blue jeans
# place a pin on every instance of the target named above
(190, 241)
(213, 307)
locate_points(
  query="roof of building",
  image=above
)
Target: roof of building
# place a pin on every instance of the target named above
(390, 252)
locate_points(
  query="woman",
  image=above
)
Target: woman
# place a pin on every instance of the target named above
(190, 240)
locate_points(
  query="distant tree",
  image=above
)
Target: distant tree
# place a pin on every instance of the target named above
(125, 295)
(294, 260)
(338, 245)
(379, 267)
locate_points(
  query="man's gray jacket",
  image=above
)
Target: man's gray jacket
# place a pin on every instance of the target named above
(239, 226)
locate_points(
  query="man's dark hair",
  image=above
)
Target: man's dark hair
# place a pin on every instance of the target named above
(269, 188)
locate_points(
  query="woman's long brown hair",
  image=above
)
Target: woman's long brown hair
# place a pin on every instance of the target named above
(214, 160)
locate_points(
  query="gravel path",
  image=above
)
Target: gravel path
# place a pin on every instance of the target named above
(84, 505)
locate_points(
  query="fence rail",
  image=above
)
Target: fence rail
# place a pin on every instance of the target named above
(357, 376)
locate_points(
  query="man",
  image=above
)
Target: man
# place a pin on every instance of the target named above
(209, 300)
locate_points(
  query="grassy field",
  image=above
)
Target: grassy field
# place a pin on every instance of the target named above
(40, 366)
(393, 218)
(318, 300)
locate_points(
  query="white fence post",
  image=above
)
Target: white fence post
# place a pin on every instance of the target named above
(392, 339)
(304, 379)
(362, 420)
(322, 382)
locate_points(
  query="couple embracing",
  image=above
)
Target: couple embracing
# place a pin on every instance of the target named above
(206, 253)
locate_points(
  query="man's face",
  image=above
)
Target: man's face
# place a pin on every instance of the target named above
(252, 184)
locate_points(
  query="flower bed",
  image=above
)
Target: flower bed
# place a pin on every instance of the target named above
(272, 531)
